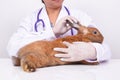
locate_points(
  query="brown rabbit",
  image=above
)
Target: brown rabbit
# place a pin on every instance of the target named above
(41, 54)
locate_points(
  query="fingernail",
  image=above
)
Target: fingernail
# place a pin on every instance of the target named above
(55, 48)
(55, 55)
(62, 59)
(64, 41)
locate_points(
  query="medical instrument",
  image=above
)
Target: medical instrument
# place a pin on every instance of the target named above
(73, 23)
(43, 23)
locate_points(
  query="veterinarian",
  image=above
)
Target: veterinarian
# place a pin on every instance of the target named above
(48, 23)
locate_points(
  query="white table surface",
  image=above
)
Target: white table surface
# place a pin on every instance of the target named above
(105, 71)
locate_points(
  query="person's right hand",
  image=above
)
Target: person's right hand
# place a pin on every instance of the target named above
(76, 51)
(63, 26)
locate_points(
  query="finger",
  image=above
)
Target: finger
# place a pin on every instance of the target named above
(67, 43)
(73, 19)
(65, 50)
(69, 22)
(77, 42)
(67, 59)
(62, 55)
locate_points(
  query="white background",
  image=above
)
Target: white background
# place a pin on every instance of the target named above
(105, 13)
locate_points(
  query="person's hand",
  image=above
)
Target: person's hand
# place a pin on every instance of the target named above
(62, 26)
(76, 51)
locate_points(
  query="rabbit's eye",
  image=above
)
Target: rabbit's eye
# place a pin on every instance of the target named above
(94, 32)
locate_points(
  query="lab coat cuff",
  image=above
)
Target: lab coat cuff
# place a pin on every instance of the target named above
(99, 52)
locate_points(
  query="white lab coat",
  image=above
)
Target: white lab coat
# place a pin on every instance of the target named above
(26, 32)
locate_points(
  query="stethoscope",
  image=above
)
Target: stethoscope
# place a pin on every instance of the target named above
(43, 23)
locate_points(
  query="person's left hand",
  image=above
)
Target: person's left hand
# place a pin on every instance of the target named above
(76, 51)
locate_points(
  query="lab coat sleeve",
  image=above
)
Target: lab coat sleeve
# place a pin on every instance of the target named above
(103, 52)
(24, 35)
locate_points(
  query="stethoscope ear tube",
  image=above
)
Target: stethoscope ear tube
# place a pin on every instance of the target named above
(36, 24)
(39, 20)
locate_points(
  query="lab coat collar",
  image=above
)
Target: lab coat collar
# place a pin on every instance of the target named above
(62, 13)
(44, 15)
